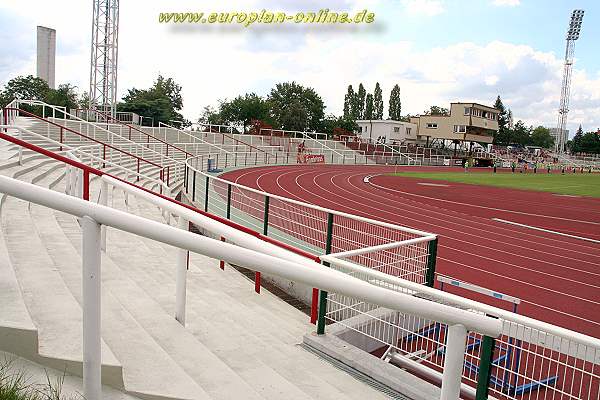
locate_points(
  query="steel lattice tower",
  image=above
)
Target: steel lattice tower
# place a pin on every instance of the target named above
(103, 70)
(565, 92)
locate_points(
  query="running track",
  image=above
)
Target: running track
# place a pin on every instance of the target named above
(556, 277)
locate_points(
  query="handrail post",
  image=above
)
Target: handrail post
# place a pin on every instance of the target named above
(86, 185)
(181, 277)
(228, 201)
(91, 292)
(206, 194)
(265, 232)
(323, 293)
(194, 187)
(456, 341)
(104, 202)
(431, 261)
(485, 367)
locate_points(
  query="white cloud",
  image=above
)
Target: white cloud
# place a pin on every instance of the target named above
(506, 3)
(424, 7)
(215, 63)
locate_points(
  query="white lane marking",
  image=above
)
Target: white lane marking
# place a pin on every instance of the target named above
(546, 230)
(476, 205)
(566, 195)
(432, 184)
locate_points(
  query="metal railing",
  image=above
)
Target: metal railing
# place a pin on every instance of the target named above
(530, 360)
(96, 216)
(313, 229)
(400, 262)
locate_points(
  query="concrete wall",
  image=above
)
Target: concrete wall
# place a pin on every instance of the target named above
(393, 131)
(46, 54)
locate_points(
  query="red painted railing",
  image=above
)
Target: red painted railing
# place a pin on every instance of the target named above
(105, 145)
(86, 196)
(148, 136)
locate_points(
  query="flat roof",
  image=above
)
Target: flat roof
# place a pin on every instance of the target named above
(381, 121)
(476, 104)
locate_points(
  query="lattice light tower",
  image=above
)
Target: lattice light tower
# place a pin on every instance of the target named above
(103, 70)
(563, 111)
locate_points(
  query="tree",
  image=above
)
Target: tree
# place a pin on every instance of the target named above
(294, 107)
(348, 101)
(504, 117)
(65, 96)
(210, 116)
(377, 102)
(369, 109)
(437, 110)
(360, 101)
(576, 142)
(26, 88)
(590, 143)
(243, 109)
(395, 107)
(162, 101)
(540, 137)
(520, 134)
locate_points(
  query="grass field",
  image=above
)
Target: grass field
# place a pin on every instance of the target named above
(572, 184)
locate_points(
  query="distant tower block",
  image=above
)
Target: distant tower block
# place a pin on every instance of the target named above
(46, 54)
(103, 69)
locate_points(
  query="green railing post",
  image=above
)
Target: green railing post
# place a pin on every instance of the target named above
(485, 367)
(228, 201)
(194, 187)
(206, 194)
(430, 274)
(266, 216)
(323, 293)
(185, 179)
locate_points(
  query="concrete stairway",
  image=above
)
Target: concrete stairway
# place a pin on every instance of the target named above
(236, 344)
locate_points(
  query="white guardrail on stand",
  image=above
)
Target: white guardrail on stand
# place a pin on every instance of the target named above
(94, 216)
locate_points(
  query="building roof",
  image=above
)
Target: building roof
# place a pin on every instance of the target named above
(381, 121)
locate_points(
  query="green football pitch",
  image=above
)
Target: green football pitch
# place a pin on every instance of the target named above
(572, 184)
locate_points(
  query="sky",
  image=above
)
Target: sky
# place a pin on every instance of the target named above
(438, 51)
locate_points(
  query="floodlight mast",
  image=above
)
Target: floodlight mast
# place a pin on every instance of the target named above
(565, 92)
(103, 68)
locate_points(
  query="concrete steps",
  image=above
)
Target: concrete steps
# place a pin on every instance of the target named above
(51, 306)
(236, 343)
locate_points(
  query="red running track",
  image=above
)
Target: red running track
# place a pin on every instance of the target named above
(556, 277)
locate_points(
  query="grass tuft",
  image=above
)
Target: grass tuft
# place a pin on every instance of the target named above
(16, 385)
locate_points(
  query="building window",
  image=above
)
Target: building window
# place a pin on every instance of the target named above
(360, 129)
(460, 128)
(432, 125)
(396, 129)
(467, 110)
(408, 131)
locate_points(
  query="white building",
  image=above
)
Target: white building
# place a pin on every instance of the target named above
(554, 134)
(46, 54)
(387, 131)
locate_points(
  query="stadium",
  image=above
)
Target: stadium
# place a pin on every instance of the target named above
(213, 262)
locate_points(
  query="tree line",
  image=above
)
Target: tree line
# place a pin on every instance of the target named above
(519, 134)
(288, 106)
(585, 143)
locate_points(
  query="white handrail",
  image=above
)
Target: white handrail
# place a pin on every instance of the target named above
(79, 149)
(465, 302)
(97, 126)
(310, 273)
(195, 138)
